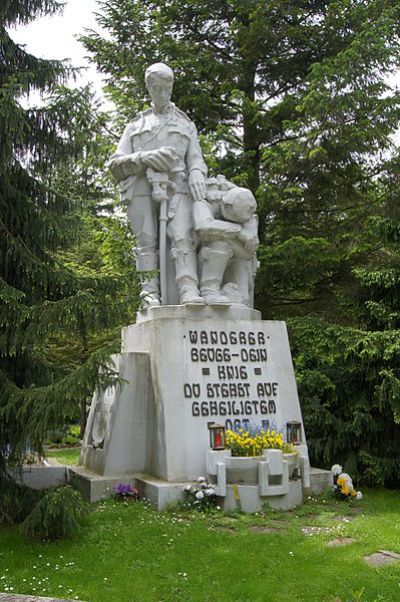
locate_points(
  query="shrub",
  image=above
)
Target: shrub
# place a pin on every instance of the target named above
(16, 501)
(58, 514)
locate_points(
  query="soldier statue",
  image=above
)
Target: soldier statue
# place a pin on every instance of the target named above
(161, 171)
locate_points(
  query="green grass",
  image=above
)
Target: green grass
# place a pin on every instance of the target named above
(64, 456)
(127, 552)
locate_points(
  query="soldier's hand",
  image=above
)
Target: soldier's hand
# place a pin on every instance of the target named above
(249, 239)
(161, 159)
(197, 185)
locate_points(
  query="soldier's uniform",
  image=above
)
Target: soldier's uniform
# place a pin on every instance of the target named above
(153, 131)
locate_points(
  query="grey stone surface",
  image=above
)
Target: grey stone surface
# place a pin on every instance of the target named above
(161, 171)
(41, 477)
(320, 480)
(247, 499)
(127, 438)
(178, 372)
(382, 557)
(96, 487)
(340, 541)
(199, 232)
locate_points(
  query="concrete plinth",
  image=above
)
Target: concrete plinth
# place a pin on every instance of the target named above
(40, 477)
(182, 368)
(320, 480)
(247, 499)
(161, 493)
(96, 487)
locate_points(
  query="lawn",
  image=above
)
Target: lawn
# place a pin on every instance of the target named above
(127, 552)
(65, 455)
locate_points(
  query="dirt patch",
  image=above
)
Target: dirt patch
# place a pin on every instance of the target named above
(266, 530)
(382, 557)
(341, 541)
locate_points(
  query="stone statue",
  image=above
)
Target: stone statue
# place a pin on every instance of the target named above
(208, 227)
(158, 161)
(227, 225)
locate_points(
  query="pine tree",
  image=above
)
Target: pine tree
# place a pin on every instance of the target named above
(348, 375)
(47, 303)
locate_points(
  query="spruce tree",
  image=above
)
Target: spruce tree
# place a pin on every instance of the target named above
(58, 321)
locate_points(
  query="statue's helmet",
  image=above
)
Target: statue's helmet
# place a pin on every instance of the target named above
(158, 71)
(238, 205)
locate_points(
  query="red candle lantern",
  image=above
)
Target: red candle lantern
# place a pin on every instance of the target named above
(293, 430)
(217, 435)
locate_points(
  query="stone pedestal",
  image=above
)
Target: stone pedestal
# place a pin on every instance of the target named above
(182, 367)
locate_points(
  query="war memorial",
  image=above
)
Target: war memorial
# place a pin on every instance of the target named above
(200, 360)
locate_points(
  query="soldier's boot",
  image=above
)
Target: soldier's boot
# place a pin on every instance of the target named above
(186, 277)
(213, 264)
(150, 285)
(150, 293)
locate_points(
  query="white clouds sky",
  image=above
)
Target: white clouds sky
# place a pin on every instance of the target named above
(55, 37)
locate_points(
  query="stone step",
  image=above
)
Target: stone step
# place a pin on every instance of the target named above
(320, 480)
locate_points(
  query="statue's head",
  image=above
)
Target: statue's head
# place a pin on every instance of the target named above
(159, 80)
(238, 205)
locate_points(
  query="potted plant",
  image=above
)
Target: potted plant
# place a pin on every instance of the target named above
(248, 448)
(274, 440)
(246, 452)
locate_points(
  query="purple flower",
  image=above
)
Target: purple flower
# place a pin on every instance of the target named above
(126, 490)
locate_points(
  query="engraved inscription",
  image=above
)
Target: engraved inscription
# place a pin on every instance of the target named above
(233, 384)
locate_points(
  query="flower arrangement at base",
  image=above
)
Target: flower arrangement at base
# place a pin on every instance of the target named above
(125, 491)
(252, 443)
(200, 496)
(343, 487)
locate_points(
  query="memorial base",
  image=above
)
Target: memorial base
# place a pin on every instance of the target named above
(161, 493)
(182, 368)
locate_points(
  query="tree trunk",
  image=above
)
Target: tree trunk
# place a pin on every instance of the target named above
(83, 417)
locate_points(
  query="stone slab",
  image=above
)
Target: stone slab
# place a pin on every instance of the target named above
(95, 487)
(341, 541)
(158, 492)
(246, 498)
(320, 480)
(41, 477)
(197, 312)
(123, 430)
(382, 557)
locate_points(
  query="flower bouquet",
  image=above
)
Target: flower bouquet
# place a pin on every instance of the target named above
(125, 491)
(200, 496)
(343, 487)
